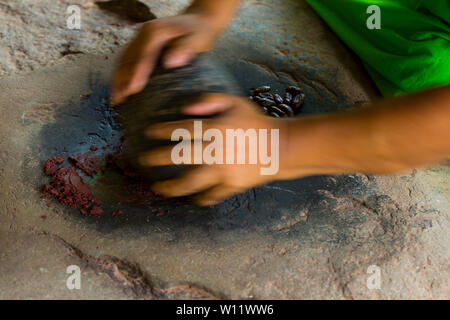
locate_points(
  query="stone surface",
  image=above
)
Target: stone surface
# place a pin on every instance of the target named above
(310, 238)
(35, 33)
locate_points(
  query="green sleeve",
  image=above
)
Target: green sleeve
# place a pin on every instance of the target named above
(410, 52)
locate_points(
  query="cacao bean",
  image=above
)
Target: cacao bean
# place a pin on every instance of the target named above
(298, 101)
(273, 114)
(287, 109)
(287, 98)
(277, 98)
(266, 102)
(261, 89)
(278, 111)
(266, 95)
(294, 90)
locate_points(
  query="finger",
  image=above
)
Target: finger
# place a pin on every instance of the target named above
(215, 195)
(158, 157)
(210, 103)
(165, 130)
(130, 79)
(193, 181)
(179, 54)
(127, 78)
(139, 59)
(182, 50)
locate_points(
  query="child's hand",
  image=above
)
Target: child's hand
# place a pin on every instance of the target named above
(215, 182)
(182, 37)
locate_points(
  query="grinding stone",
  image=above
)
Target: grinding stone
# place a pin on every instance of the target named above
(166, 92)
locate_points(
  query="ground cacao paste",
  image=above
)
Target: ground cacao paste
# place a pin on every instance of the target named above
(51, 164)
(69, 188)
(87, 162)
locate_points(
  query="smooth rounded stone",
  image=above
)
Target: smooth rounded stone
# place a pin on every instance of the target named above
(161, 100)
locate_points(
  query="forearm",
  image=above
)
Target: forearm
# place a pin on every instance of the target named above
(388, 137)
(219, 11)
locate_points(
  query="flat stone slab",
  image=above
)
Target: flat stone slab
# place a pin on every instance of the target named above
(310, 238)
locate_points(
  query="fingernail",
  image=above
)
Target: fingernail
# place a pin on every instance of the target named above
(174, 61)
(203, 108)
(192, 109)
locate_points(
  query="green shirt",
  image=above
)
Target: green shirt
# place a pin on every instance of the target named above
(410, 52)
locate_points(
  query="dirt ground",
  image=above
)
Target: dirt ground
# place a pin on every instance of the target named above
(313, 238)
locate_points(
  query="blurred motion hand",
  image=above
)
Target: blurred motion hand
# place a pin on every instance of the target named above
(215, 182)
(182, 38)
